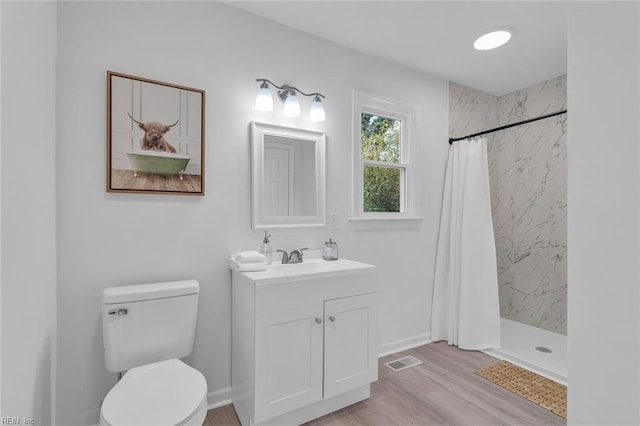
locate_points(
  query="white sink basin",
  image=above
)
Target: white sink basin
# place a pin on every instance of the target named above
(308, 268)
(301, 268)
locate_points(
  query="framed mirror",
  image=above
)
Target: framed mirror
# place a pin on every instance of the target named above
(288, 176)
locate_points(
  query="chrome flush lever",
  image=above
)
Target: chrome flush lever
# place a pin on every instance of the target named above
(119, 311)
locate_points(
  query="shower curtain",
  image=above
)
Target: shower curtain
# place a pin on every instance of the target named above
(466, 309)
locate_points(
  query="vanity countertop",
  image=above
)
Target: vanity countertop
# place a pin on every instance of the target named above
(310, 268)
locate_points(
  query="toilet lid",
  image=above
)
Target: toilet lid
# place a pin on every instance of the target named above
(163, 393)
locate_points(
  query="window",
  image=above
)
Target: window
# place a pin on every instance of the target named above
(382, 173)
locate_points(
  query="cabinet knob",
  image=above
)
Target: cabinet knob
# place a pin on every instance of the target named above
(332, 318)
(319, 320)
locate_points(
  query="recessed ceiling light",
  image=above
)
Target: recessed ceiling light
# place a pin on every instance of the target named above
(492, 40)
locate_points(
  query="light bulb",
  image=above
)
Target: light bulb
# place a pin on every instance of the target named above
(264, 100)
(291, 105)
(317, 110)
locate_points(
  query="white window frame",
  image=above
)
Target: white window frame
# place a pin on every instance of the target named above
(386, 107)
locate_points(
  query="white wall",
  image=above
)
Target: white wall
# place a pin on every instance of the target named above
(28, 209)
(118, 239)
(603, 213)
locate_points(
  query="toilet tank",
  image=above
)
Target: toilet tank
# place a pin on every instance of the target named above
(147, 323)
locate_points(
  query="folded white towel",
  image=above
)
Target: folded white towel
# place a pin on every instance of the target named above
(247, 267)
(248, 256)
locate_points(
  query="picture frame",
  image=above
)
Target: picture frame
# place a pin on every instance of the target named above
(155, 136)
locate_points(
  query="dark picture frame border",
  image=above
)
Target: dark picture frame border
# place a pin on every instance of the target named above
(110, 189)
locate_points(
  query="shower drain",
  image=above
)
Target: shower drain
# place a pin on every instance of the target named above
(543, 349)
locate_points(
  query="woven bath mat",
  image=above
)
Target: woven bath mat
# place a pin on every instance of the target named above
(540, 390)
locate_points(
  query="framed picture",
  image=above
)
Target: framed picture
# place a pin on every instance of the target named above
(155, 136)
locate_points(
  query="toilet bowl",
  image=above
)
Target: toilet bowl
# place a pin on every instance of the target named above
(146, 329)
(163, 393)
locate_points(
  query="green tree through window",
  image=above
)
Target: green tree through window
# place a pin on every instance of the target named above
(380, 141)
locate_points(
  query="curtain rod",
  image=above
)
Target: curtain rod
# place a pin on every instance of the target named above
(553, 114)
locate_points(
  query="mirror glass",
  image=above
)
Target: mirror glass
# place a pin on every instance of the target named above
(288, 176)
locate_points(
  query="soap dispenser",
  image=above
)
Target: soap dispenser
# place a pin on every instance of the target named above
(266, 249)
(330, 250)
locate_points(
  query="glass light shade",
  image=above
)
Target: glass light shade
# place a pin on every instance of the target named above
(291, 106)
(492, 40)
(317, 110)
(264, 100)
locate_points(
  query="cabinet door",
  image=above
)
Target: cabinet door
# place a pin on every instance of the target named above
(350, 356)
(288, 359)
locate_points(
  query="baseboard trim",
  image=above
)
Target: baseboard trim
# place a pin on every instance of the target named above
(218, 398)
(403, 344)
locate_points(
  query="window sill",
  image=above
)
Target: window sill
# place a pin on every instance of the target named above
(373, 223)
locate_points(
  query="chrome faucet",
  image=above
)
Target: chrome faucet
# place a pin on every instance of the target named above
(294, 257)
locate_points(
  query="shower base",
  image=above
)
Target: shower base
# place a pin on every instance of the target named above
(519, 343)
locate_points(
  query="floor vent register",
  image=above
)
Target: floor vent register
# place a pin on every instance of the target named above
(403, 363)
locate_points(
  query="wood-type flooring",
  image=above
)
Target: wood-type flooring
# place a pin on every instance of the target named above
(443, 390)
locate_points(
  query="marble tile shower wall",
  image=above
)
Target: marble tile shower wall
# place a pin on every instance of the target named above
(527, 171)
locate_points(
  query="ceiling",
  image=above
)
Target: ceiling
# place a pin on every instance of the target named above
(437, 36)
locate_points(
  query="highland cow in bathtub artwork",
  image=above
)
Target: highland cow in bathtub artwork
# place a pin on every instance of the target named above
(155, 136)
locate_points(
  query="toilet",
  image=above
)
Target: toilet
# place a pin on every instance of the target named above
(146, 329)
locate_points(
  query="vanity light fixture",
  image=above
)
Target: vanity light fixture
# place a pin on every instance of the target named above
(288, 95)
(264, 100)
(316, 113)
(492, 39)
(291, 105)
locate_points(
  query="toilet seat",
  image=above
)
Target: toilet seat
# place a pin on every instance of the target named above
(163, 393)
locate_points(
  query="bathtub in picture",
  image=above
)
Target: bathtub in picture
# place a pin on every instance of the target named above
(160, 163)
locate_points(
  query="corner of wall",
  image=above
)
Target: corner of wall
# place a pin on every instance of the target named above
(28, 209)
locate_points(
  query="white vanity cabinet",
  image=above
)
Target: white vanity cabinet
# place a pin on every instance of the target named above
(303, 340)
